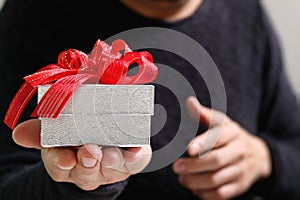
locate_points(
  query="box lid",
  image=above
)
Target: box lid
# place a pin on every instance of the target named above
(108, 99)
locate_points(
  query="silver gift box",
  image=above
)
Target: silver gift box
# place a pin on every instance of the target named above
(108, 115)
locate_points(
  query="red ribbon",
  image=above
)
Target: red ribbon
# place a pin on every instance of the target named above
(105, 65)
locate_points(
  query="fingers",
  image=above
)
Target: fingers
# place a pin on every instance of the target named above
(217, 137)
(90, 166)
(136, 159)
(113, 166)
(217, 159)
(133, 159)
(212, 180)
(27, 134)
(212, 119)
(86, 173)
(227, 191)
(205, 141)
(81, 168)
(112, 158)
(121, 164)
(58, 163)
(227, 170)
(88, 155)
(204, 115)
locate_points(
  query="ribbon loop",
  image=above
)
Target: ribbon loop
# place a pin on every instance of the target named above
(71, 59)
(105, 65)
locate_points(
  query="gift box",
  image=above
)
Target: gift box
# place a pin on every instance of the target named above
(91, 98)
(109, 115)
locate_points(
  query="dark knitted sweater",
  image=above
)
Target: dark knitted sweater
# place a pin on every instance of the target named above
(235, 33)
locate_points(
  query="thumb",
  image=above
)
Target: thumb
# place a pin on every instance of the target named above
(207, 116)
(27, 134)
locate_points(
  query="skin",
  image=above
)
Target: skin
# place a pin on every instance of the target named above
(87, 166)
(237, 160)
(166, 10)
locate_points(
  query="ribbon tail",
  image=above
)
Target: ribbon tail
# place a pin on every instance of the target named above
(48, 76)
(17, 105)
(58, 94)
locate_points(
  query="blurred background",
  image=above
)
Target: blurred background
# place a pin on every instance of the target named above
(285, 16)
(286, 20)
(1, 3)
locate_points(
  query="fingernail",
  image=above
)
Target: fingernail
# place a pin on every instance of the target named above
(89, 162)
(64, 167)
(94, 150)
(180, 167)
(196, 147)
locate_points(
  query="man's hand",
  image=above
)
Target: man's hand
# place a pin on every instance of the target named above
(237, 160)
(88, 166)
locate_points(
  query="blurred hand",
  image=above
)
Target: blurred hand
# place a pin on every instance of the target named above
(237, 160)
(87, 166)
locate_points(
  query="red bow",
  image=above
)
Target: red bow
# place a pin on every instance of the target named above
(105, 65)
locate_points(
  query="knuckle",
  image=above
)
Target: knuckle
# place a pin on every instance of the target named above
(219, 194)
(234, 125)
(213, 180)
(234, 128)
(241, 153)
(243, 185)
(217, 160)
(85, 172)
(109, 179)
(86, 183)
(134, 168)
(113, 177)
(242, 148)
(87, 186)
(241, 170)
(58, 177)
(238, 172)
(227, 120)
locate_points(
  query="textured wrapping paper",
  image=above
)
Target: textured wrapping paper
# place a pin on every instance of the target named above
(108, 115)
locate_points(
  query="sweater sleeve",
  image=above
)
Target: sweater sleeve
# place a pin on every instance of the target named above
(279, 124)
